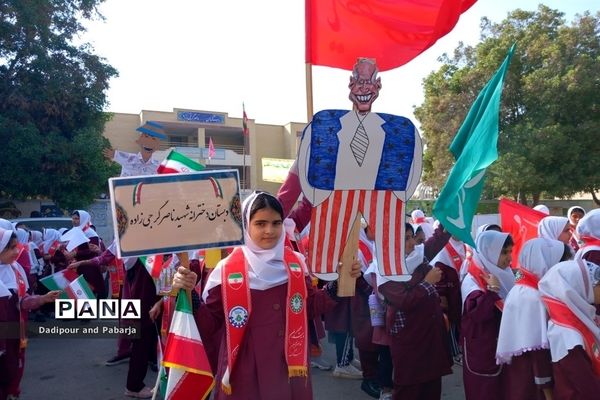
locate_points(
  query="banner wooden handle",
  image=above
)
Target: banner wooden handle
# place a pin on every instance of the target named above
(184, 260)
(346, 283)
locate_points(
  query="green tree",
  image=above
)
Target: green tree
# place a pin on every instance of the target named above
(549, 120)
(52, 93)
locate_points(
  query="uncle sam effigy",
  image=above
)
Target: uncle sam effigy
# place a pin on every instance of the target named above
(358, 161)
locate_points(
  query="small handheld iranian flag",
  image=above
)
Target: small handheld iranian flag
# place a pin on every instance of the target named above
(153, 264)
(79, 289)
(176, 162)
(190, 376)
(59, 281)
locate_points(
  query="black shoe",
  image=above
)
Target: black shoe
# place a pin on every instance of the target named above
(116, 360)
(370, 387)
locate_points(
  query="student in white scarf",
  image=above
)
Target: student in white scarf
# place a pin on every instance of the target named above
(15, 302)
(556, 228)
(415, 322)
(263, 369)
(568, 290)
(588, 230)
(523, 341)
(484, 288)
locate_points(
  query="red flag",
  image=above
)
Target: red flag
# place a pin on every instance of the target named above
(211, 149)
(245, 121)
(392, 32)
(521, 222)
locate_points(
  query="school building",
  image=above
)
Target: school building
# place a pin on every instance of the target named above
(262, 157)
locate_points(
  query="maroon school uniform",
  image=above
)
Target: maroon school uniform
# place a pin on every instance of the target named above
(260, 371)
(527, 375)
(362, 329)
(574, 378)
(91, 273)
(418, 343)
(141, 286)
(479, 329)
(449, 287)
(12, 363)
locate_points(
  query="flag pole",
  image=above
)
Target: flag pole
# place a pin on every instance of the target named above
(309, 93)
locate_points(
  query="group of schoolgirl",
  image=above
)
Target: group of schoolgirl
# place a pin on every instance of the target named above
(25, 257)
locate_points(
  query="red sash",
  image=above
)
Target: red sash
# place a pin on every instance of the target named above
(237, 305)
(457, 260)
(21, 291)
(116, 273)
(476, 271)
(562, 315)
(526, 278)
(420, 220)
(590, 241)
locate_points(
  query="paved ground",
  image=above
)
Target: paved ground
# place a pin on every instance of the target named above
(72, 368)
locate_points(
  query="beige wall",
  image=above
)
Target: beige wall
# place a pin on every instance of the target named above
(270, 141)
(120, 131)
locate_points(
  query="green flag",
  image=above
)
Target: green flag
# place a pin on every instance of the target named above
(474, 148)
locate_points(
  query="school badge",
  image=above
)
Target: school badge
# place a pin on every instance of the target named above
(296, 303)
(238, 316)
(235, 280)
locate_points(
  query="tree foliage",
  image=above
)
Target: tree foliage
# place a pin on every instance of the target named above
(550, 117)
(52, 93)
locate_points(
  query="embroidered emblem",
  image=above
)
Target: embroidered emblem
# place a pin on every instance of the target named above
(296, 303)
(238, 316)
(596, 350)
(235, 280)
(295, 267)
(518, 275)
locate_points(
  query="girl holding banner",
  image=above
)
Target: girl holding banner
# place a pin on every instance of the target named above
(262, 294)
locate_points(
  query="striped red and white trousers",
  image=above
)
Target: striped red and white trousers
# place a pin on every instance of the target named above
(332, 220)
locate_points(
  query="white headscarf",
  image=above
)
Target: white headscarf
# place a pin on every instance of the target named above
(8, 279)
(524, 323)
(573, 209)
(22, 235)
(418, 217)
(49, 237)
(542, 208)
(266, 268)
(85, 222)
(552, 227)
(37, 238)
(569, 282)
(413, 260)
(5, 224)
(589, 227)
(489, 246)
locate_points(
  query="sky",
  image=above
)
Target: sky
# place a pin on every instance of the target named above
(212, 55)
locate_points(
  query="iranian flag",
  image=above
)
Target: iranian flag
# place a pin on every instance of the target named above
(176, 162)
(190, 376)
(79, 289)
(60, 281)
(153, 264)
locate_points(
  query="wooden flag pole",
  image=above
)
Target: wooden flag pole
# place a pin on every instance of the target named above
(309, 93)
(184, 260)
(346, 283)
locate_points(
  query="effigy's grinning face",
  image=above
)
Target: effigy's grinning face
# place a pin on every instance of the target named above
(364, 87)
